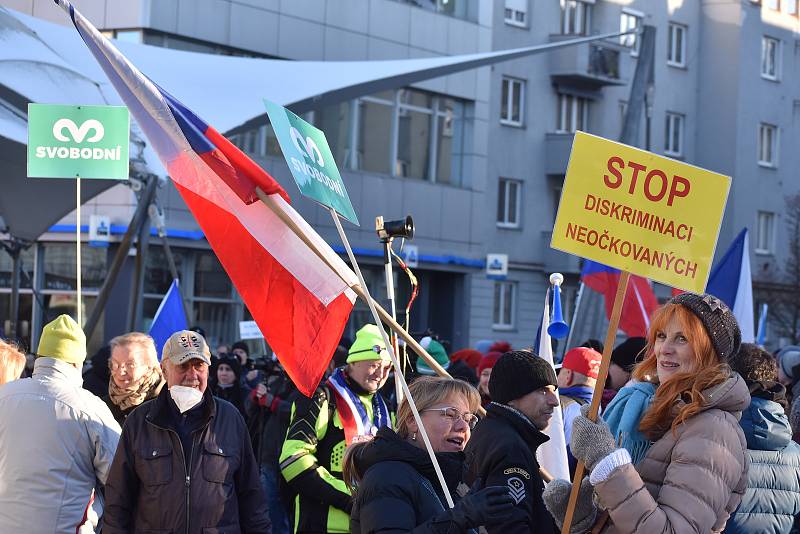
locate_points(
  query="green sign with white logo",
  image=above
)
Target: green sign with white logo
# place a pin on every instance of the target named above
(310, 160)
(85, 141)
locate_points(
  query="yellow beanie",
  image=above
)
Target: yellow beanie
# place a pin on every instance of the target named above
(64, 340)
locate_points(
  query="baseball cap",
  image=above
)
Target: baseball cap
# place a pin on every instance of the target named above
(186, 345)
(583, 360)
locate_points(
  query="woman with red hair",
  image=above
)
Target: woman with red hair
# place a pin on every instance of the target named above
(682, 466)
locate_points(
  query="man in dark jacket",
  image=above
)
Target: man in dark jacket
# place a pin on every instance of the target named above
(502, 450)
(184, 461)
(772, 500)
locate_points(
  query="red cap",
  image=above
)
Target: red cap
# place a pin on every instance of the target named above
(469, 356)
(583, 360)
(488, 361)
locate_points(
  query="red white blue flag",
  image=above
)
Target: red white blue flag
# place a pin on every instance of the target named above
(300, 302)
(640, 300)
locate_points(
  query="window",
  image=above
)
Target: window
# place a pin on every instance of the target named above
(573, 113)
(765, 228)
(505, 296)
(512, 102)
(767, 145)
(408, 133)
(576, 17)
(335, 122)
(375, 132)
(673, 138)
(516, 13)
(773, 4)
(676, 45)
(790, 6)
(508, 203)
(413, 134)
(630, 20)
(770, 58)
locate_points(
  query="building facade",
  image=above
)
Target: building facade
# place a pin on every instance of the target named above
(477, 158)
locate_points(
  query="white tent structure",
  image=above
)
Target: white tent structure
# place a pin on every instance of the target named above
(43, 62)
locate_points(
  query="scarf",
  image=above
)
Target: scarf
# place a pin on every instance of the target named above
(623, 415)
(352, 411)
(137, 393)
(577, 392)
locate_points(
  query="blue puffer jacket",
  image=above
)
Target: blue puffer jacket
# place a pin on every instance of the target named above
(772, 500)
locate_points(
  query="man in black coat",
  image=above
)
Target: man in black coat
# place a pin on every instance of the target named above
(502, 450)
(184, 461)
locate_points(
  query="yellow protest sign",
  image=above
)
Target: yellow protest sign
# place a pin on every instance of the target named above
(639, 212)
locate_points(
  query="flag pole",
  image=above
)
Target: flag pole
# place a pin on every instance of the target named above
(611, 335)
(358, 289)
(574, 318)
(390, 348)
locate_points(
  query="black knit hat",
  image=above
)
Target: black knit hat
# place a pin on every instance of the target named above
(717, 319)
(231, 361)
(240, 345)
(517, 373)
(626, 353)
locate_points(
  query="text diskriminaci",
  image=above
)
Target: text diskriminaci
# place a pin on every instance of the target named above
(638, 217)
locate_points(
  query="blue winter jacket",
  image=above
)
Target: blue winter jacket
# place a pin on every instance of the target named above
(772, 500)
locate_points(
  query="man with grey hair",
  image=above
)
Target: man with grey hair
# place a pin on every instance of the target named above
(135, 373)
(184, 461)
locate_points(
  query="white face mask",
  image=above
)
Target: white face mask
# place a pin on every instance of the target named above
(185, 398)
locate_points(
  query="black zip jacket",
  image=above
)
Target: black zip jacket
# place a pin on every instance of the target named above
(502, 452)
(400, 492)
(149, 489)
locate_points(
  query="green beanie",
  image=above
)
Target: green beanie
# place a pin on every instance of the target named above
(436, 350)
(368, 345)
(64, 340)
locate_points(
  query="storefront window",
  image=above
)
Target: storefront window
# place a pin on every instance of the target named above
(157, 276)
(59, 267)
(210, 279)
(6, 266)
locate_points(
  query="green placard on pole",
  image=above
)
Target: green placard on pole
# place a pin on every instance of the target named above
(85, 141)
(310, 160)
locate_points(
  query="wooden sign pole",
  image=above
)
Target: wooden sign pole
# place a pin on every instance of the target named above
(611, 335)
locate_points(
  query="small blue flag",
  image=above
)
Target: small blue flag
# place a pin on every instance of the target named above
(762, 326)
(170, 317)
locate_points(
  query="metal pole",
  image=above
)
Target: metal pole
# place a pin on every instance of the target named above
(157, 217)
(574, 318)
(119, 258)
(14, 251)
(642, 78)
(135, 303)
(398, 374)
(387, 269)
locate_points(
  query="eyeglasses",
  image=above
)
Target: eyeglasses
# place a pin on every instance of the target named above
(451, 413)
(128, 366)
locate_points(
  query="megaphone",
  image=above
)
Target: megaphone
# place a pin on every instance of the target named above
(558, 328)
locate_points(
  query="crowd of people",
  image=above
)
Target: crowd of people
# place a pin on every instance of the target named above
(697, 433)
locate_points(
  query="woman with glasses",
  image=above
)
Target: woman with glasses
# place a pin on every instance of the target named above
(394, 483)
(135, 373)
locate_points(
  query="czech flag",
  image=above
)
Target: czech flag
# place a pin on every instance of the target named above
(731, 282)
(300, 302)
(640, 301)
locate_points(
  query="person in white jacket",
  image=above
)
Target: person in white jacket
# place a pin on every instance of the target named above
(57, 440)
